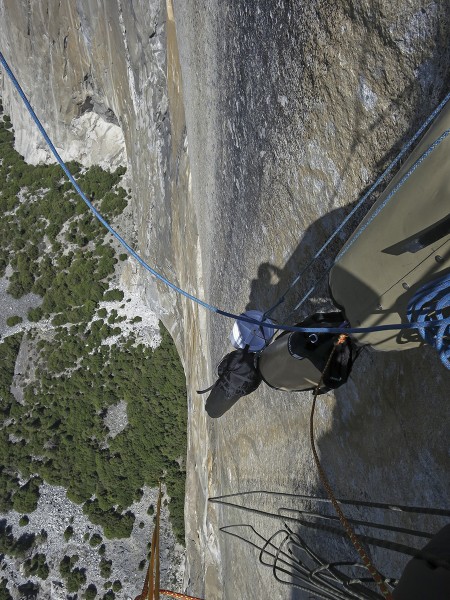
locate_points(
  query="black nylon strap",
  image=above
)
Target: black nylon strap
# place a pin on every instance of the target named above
(207, 389)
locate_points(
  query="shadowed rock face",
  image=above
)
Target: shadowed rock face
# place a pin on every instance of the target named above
(290, 111)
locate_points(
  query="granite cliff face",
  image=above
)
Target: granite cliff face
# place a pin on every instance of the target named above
(249, 129)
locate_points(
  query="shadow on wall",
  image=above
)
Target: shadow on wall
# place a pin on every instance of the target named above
(297, 520)
(385, 443)
(384, 430)
(271, 281)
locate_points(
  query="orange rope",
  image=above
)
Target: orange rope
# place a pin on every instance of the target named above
(348, 528)
(151, 590)
(177, 595)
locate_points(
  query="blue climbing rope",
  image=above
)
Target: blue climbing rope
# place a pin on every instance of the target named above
(171, 285)
(380, 179)
(432, 299)
(83, 196)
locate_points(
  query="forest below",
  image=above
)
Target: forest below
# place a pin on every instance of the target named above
(57, 433)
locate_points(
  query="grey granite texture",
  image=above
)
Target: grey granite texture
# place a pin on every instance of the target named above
(291, 110)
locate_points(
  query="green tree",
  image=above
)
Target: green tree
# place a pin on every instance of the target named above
(68, 533)
(15, 320)
(105, 568)
(14, 547)
(4, 592)
(26, 498)
(66, 564)
(90, 593)
(95, 540)
(113, 295)
(76, 579)
(37, 566)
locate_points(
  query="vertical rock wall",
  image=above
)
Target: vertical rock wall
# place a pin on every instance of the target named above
(291, 110)
(95, 72)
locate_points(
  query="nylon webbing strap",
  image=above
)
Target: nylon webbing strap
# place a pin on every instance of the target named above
(346, 525)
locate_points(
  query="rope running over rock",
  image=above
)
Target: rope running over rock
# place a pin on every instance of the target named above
(346, 525)
(163, 279)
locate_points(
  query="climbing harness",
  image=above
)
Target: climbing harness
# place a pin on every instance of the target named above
(294, 362)
(433, 298)
(163, 279)
(348, 528)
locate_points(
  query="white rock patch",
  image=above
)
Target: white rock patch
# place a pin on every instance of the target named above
(93, 141)
(116, 418)
(367, 97)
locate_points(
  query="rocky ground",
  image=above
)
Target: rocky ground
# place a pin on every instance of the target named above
(55, 513)
(12, 307)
